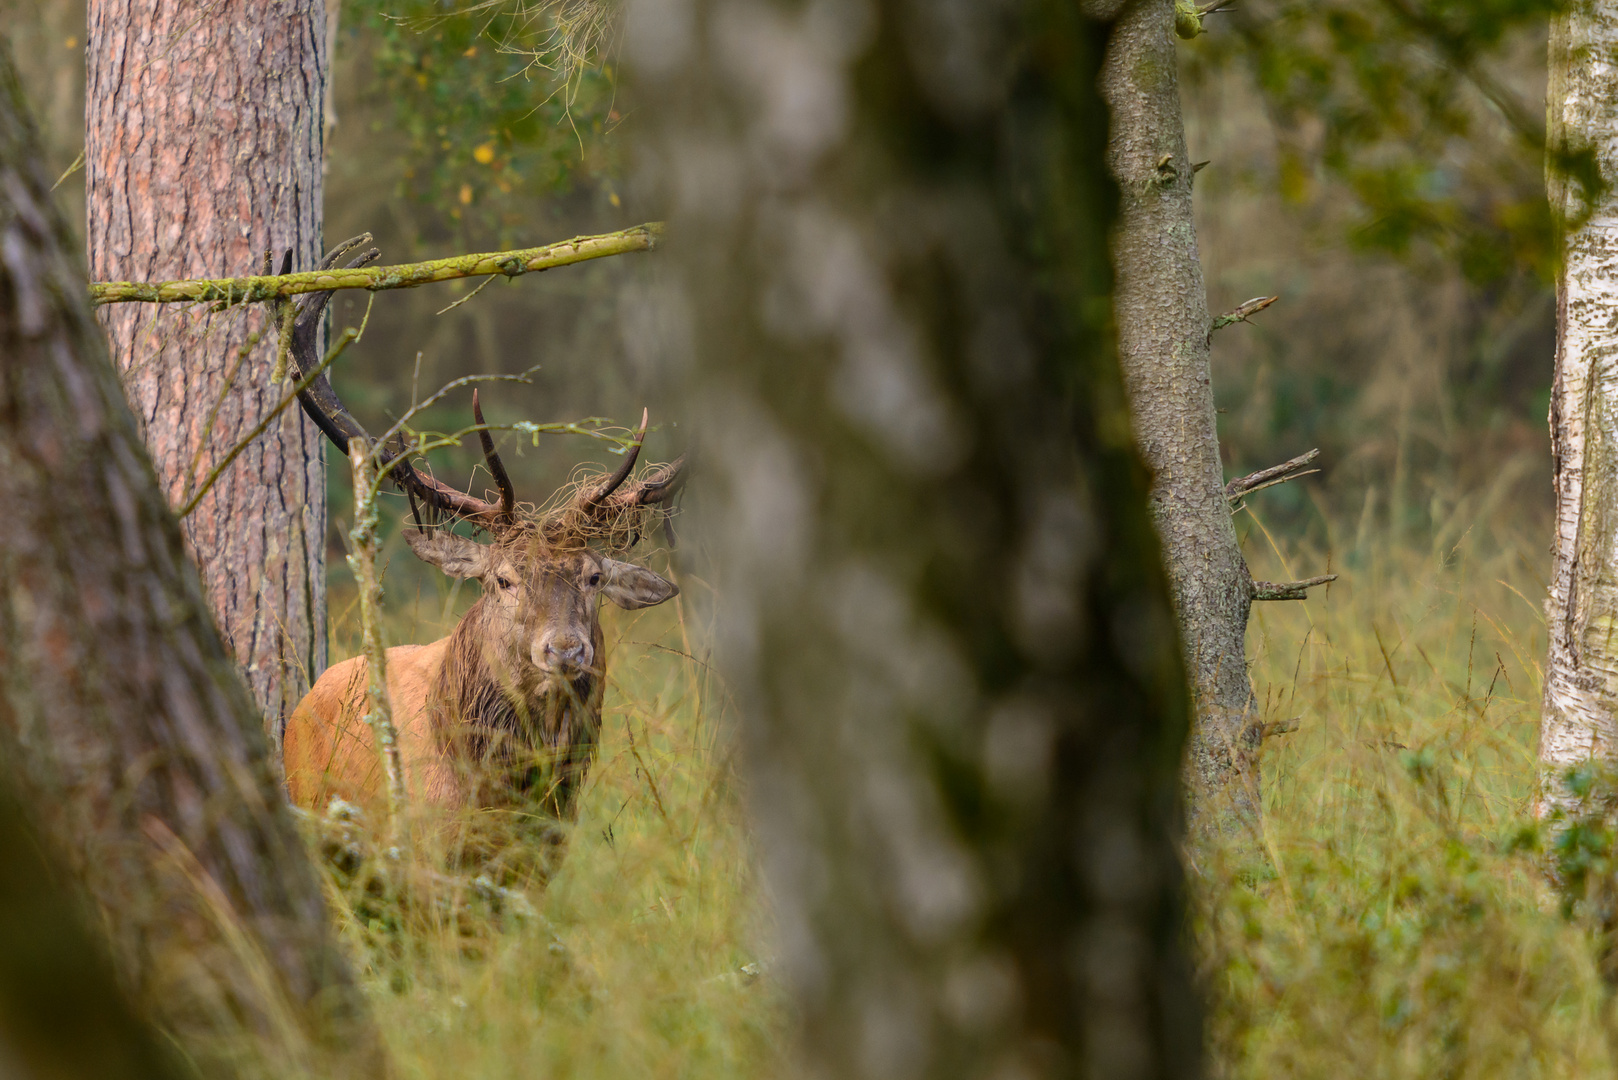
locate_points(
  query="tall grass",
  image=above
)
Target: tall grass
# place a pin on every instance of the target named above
(1389, 919)
(645, 955)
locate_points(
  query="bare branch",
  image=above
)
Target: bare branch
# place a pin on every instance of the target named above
(246, 290)
(1275, 474)
(1243, 310)
(1289, 590)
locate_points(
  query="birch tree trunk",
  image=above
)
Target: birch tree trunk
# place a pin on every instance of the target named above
(126, 724)
(1581, 613)
(203, 136)
(941, 608)
(1163, 331)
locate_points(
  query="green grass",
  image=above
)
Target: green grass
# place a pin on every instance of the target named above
(1387, 920)
(633, 964)
(1394, 925)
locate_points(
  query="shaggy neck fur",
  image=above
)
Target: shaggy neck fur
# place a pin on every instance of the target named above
(511, 733)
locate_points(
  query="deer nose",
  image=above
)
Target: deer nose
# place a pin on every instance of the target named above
(565, 654)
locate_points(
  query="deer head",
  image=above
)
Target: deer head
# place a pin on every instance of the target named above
(542, 572)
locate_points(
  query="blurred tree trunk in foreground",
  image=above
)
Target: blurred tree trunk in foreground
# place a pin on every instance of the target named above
(126, 723)
(941, 603)
(1163, 339)
(203, 151)
(62, 1012)
(1581, 672)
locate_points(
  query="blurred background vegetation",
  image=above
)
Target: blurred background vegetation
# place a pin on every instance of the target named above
(1390, 191)
(1376, 163)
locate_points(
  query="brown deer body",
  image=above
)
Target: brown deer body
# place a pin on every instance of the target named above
(506, 709)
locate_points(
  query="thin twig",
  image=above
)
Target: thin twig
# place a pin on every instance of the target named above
(1275, 474)
(260, 288)
(467, 297)
(302, 384)
(78, 163)
(1242, 311)
(378, 700)
(283, 343)
(454, 384)
(1289, 590)
(213, 413)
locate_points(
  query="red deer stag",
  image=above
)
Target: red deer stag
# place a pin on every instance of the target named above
(512, 697)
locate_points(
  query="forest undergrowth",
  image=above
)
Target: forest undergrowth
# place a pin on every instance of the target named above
(1392, 918)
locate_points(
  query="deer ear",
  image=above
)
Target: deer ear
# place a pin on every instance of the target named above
(630, 586)
(454, 555)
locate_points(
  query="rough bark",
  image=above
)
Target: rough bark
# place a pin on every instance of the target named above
(135, 742)
(1163, 329)
(203, 151)
(1581, 612)
(941, 607)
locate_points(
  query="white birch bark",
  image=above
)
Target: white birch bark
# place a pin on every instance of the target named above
(1581, 672)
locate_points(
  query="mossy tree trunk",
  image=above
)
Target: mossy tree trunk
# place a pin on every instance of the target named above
(942, 611)
(1578, 725)
(126, 724)
(203, 144)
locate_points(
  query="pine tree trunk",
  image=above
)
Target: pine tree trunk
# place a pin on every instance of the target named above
(942, 612)
(203, 134)
(1581, 613)
(1163, 329)
(133, 739)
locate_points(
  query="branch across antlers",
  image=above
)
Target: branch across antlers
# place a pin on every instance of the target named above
(264, 288)
(594, 505)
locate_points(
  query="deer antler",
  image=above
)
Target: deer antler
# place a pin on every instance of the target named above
(497, 468)
(326, 409)
(611, 497)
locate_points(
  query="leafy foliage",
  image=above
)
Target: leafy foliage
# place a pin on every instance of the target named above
(495, 104)
(1425, 112)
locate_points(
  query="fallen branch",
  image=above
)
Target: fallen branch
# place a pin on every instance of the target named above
(1241, 311)
(262, 287)
(1289, 590)
(1275, 474)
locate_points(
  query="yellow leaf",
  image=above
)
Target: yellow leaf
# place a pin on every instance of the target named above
(71, 43)
(484, 154)
(473, 51)
(612, 197)
(466, 194)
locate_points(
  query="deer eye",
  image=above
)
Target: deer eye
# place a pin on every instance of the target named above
(502, 582)
(595, 579)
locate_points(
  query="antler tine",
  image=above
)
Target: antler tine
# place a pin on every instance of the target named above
(497, 468)
(311, 305)
(598, 495)
(658, 486)
(321, 403)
